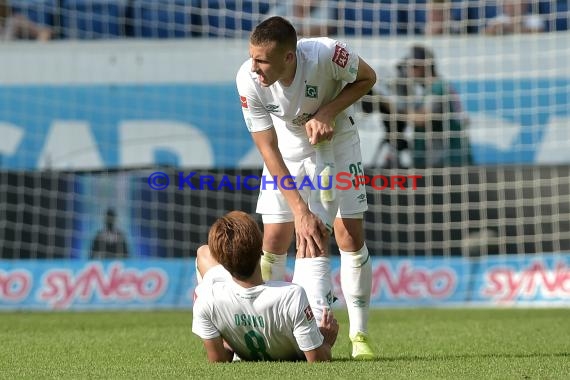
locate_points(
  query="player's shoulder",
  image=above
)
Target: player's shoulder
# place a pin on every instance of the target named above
(202, 297)
(244, 69)
(215, 278)
(286, 289)
(317, 49)
(312, 44)
(244, 73)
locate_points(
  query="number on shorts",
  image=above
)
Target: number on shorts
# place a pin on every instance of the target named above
(356, 171)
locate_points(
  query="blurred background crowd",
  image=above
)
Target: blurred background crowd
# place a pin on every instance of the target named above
(96, 19)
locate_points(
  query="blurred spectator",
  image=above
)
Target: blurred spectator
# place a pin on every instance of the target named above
(18, 26)
(309, 17)
(440, 126)
(439, 20)
(110, 242)
(391, 96)
(516, 16)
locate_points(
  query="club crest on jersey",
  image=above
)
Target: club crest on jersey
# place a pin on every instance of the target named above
(340, 56)
(243, 100)
(309, 313)
(311, 91)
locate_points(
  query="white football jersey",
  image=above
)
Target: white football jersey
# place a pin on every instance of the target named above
(272, 321)
(324, 66)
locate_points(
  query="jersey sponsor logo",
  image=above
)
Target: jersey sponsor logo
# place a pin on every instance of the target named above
(272, 108)
(301, 119)
(361, 198)
(311, 91)
(340, 56)
(243, 100)
(309, 313)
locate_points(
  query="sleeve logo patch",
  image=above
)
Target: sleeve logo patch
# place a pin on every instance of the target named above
(243, 100)
(340, 56)
(309, 313)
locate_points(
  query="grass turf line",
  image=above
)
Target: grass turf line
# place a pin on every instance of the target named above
(413, 343)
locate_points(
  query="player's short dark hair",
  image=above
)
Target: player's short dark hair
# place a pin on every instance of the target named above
(235, 241)
(275, 29)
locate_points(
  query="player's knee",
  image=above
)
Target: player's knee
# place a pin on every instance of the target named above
(202, 251)
(277, 240)
(275, 245)
(349, 234)
(204, 259)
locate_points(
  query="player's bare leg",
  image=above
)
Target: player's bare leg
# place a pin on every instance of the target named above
(356, 283)
(277, 238)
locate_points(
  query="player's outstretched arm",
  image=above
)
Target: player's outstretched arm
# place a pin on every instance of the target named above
(216, 351)
(329, 329)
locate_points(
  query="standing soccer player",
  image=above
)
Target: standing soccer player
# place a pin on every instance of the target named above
(235, 312)
(296, 98)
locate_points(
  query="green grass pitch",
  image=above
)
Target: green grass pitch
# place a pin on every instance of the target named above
(413, 343)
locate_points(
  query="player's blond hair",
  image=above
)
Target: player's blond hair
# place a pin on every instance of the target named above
(235, 241)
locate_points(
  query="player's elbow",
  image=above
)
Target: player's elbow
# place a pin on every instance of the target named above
(373, 78)
(370, 78)
(218, 351)
(224, 357)
(218, 360)
(321, 354)
(366, 76)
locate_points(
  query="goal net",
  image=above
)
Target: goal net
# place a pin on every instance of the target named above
(128, 89)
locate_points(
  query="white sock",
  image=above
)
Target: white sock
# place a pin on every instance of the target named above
(273, 266)
(198, 275)
(314, 275)
(356, 284)
(323, 201)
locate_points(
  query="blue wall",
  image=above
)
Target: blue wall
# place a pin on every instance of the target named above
(214, 110)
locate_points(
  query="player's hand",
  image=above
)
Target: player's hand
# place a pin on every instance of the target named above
(329, 327)
(319, 130)
(311, 235)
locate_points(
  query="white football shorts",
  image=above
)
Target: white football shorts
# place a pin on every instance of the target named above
(273, 206)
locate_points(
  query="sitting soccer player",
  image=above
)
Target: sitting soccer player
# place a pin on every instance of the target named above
(235, 312)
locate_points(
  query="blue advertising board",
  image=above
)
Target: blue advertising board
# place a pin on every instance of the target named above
(540, 280)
